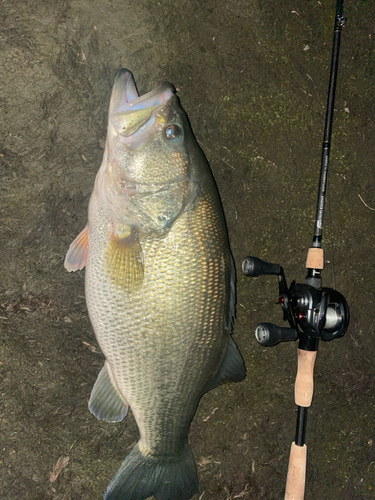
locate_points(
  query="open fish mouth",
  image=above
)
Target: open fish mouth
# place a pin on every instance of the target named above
(133, 117)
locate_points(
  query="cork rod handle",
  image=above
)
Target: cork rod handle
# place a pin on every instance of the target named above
(315, 258)
(295, 482)
(303, 393)
(304, 387)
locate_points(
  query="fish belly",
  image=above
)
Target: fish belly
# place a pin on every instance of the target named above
(163, 337)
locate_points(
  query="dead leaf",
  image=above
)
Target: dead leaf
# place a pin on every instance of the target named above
(57, 468)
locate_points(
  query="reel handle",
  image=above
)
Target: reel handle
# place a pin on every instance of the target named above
(269, 334)
(253, 266)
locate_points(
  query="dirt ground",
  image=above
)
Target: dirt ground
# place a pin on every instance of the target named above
(253, 78)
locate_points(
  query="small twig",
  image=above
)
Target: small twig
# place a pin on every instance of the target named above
(214, 154)
(91, 347)
(243, 493)
(365, 204)
(209, 416)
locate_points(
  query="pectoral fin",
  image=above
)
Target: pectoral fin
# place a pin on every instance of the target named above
(125, 259)
(105, 401)
(76, 257)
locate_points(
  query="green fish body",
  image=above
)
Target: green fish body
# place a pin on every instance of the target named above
(159, 287)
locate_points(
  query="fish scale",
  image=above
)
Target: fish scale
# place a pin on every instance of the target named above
(159, 288)
(142, 325)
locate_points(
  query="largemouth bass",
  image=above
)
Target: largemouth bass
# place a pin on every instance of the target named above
(160, 287)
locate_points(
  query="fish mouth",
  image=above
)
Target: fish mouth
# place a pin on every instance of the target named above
(134, 118)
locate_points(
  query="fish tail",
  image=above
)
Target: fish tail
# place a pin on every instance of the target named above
(140, 477)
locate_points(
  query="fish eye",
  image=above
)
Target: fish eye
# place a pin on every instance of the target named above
(172, 132)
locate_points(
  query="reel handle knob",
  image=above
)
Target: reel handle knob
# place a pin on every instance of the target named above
(269, 334)
(253, 266)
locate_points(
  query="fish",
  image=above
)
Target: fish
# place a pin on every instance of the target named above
(159, 285)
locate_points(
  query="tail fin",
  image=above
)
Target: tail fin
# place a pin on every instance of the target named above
(140, 477)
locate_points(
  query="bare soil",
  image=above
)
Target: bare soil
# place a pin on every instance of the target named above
(253, 78)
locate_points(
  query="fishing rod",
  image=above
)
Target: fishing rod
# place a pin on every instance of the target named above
(314, 312)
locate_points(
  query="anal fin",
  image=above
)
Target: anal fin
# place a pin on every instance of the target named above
(105, 401)
(232, 368)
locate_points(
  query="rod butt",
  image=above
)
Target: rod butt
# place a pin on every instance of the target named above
(295, 483)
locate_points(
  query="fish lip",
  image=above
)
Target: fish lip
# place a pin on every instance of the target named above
(125, 97)
(157, 97)
(124, 90)
(134, 128)
(133, 117)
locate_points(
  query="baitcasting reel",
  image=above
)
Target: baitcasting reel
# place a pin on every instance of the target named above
(313, 312)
